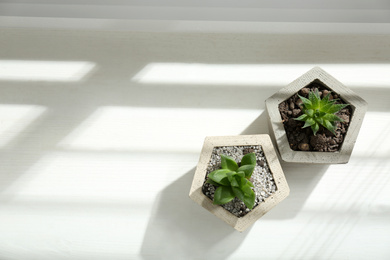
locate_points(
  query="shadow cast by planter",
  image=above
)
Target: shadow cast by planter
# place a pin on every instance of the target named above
(259, 126)
(180, 229)
(302, 180)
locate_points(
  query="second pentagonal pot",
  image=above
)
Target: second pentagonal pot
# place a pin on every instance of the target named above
(300, 147)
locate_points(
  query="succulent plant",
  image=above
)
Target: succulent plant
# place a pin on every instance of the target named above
(317, 111)
(233, 181)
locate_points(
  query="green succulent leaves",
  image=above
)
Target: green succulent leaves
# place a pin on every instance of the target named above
(232, 181)
(317, 111)
(228, 162)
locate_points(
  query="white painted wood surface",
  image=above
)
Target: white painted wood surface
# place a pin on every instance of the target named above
(97, 159)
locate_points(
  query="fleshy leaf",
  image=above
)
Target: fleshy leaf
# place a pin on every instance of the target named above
(332, 117)
(309, 122)
(241, 174)
(314, 97)
(234, 182)
(239, 193)
(241, 180)
(329, 126)
(301, 118)
(249, 159)
(228, 162)
(306, 102)
(309, 112)
(212, 182)
(247, 169)
(223, 195)
(220, 176)
(324, 100)
(246, 189)
(319, 111)
(326, 107)
(320, 121)
(249, 196)
(249, 183)
(230, 175)
(244, 182)
(321, 114)
(336, 107)
(315, 128)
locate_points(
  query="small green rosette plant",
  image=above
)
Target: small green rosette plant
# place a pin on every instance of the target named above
(233, 181)
(317, 111)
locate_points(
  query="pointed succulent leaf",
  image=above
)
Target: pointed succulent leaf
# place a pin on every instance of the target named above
(239, 179)
(250, 200)
(249, 183)
(220, 176)
(314, 97)
(247, 169)
(242, 181)
(249, 197)
(249, 159)
(212, 182)
(332, 117)
(326, 107)
(309, 122)
(306, 102)
(309, 112)
(301, 118)
(239, 193)
(241, 174)
(315, 128)
(321, 114)
(223, 195)
(329, 126)
(311, 97)
(228, 162)
(336, 107)
(230, 175)
(246, 195)
(246, 189)
(324, 100)
(234, 182)
(317, 111)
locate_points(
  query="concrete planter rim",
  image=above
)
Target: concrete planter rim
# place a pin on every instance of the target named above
(244, 222)
(359, 108)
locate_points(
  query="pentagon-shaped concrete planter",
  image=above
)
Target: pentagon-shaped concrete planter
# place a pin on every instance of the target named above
(358, 105)
(282, 189)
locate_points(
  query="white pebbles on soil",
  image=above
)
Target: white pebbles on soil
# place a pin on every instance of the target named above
(262, 179)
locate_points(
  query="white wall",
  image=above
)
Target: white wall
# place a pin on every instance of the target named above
(221, 16)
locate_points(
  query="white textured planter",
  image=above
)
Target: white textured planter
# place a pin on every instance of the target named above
(282, 189)
(358, 105)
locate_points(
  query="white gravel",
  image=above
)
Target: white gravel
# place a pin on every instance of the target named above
(261, 178)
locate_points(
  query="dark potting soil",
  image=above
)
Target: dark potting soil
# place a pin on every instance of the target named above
(304, 139)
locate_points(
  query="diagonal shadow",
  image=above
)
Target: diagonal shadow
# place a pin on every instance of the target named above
(26, 147)
(301, 178)
(181, 229)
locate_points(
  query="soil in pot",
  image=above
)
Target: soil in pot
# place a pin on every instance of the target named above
(262, 178)
(303, 139)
